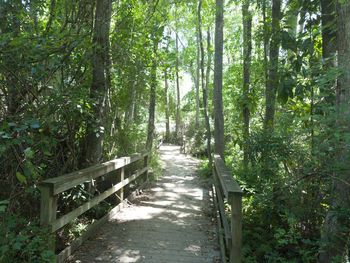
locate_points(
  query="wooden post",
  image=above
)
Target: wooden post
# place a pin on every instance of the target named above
(145, 164)
(48, 209)
(236, 227)
(120, 178)
(48, 205)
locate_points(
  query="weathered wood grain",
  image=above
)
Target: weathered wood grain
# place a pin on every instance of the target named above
(232, 192)
(51, 188)
(62, 221)
(62, 183)
(229, 185)
(169, 223)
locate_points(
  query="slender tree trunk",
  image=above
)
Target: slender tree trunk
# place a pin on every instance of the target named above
(273, 81)
(152, 97)
(197, 82)
(178, 117)
(99, 85)
(204, 89)
(10, 11)
(209, 60)
(166, 101)
(329, 46)
(247, 52)
(266, 42)
(218, 107)
(129, 113)
(336, 229)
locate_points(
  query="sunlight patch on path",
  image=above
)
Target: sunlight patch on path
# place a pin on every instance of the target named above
(170, 223)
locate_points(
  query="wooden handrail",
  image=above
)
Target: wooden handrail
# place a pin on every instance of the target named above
(65, 182)
(227, 189)
(51, 188)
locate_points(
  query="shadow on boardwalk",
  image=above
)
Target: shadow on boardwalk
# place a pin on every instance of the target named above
(170, 223)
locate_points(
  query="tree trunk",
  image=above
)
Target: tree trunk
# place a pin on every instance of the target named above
(273, 81)
(209, 60)
(266, 42)
(204, 89)
(166, 101)
(178, 117)
(197, 82)
(99, 85)
(129, 112)
(10, 24)
(329, 46)
(335, 234)
(218, 107)
(247, 53)
(152, 97)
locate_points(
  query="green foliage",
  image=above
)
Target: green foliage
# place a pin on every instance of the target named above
(156, 167)
(204, 170)
(22, 241)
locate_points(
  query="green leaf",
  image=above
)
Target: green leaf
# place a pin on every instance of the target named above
(288, 42)
(17, 245)
(5, 135)
(29, 153)
(34, 124)
(4, 202)
(21, 178)
(3, 205)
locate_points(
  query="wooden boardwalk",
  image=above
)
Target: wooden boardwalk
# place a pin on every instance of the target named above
(171, 223)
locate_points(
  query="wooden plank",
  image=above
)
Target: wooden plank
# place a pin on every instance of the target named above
(68, 181)
(227, 229)
(62, 221)
(145, 164)
(236, 228)
(120, 178)
(219, 227)
(160, 142)
(48, 205)
(48, 211)
(229, 185)
(92, 229)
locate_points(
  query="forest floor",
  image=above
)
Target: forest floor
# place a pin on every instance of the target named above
(172, 222)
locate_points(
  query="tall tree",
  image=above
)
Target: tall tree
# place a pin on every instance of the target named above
(329, 45)
(166, 101)
(328, 16)
(265, 41)
(198, 65)
(209, 60)
(99, 84)
(10, 24)
(336, 229)
(178, 101)
(204, 89)
(247, 57)
(152, 96)
(273, 80)
(218, 107)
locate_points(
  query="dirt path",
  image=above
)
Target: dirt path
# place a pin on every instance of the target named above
(170, 223)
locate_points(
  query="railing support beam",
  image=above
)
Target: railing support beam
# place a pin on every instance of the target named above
(48, 210)
(236, 227)
(120, 178)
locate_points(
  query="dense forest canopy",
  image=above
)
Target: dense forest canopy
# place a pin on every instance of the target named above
(83, 81)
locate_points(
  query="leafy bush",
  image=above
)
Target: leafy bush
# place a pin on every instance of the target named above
(23, 241)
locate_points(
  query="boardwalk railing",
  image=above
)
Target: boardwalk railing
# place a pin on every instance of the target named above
(50, 190)
(227, 190)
